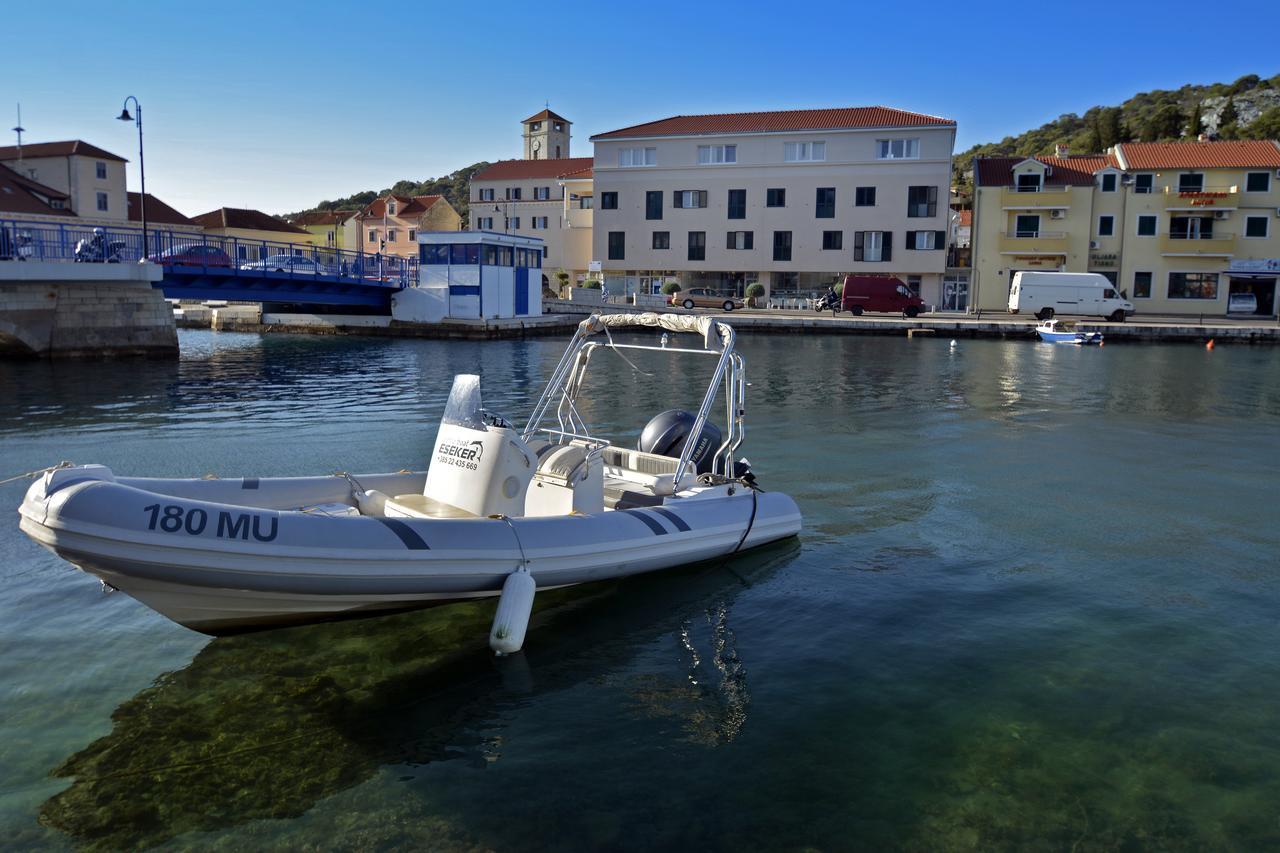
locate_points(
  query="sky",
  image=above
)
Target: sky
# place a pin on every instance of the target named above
(279, 105)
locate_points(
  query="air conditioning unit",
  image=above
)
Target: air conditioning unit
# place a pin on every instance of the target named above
(1221, 214)
(1057, 214)
(1093, 244)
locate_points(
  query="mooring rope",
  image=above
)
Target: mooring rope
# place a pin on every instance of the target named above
(31, 475)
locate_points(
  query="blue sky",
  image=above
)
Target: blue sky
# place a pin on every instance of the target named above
(277, 105)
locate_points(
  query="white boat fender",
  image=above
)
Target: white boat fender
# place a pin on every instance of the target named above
(371, 502)
(515, 605)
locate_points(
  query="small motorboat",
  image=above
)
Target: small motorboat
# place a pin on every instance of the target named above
(499, 512)
(1065, 332)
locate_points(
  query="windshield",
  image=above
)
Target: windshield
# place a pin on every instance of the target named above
(465, 406)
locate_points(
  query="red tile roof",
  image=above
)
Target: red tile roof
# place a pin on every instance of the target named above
(406, 205)
(157, 211)
(1243, 154)
(58, 149)
(19, 194)
(1067, 171)
(774, 122)
(323, 217)
(251, 220)
(515, 170)
(546, 115)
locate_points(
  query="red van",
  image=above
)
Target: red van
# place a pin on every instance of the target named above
(879, 293)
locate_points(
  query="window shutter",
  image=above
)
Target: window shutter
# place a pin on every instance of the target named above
(887, 254)
(933, 201)
(675, 199)
(728, 241)
(702, 198)
(939, 239)
(857, 245)
(911, 240)
(751, 240)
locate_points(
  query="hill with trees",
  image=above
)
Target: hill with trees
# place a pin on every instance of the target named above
(1249, 108)
(454, 187)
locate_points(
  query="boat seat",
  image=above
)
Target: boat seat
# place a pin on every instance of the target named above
(421, 506)
(564, 464)
(622, 495)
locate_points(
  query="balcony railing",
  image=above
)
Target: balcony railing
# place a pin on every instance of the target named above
(1037, 242)
(1215, 190)
(1031, 235)
(1172, 243)
(1035, 196)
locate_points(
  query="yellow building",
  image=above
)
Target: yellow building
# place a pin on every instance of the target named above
(1180, 227)
(390, 224)
(256, 235)
(328, 226)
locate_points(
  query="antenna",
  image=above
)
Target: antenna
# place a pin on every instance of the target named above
(19, 130)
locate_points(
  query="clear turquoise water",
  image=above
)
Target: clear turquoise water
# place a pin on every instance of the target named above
(1034, 606)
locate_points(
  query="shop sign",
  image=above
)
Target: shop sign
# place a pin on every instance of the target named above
(1109, 259)
(1255, 265)
(1202, 199)
(1039, 260)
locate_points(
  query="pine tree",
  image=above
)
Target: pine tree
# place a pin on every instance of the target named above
(1196, 124)
(1110, 128)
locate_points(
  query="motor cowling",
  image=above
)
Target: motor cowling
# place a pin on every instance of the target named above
(667, 433)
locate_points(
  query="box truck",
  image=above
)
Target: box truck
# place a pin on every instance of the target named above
(1046, 294)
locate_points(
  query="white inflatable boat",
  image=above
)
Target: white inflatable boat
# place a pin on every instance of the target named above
(500, 511)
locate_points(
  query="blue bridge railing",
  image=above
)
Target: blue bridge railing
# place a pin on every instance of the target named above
(24, 240)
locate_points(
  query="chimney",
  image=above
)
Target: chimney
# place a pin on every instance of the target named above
(1061, 150)
(1204, 137)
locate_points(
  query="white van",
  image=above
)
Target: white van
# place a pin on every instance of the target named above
(1048, 293)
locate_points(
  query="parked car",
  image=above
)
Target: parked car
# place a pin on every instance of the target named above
(705, 297)
(1242, 303)
(296, 264)
(193, 254)
(879, 293)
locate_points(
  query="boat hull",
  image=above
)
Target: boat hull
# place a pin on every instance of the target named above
(186, 550)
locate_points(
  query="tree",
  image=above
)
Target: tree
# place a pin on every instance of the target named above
(1244, 84)
(1165, 123)
(1196, 124)
(1092, 141)
(1265, 126)
(1229, 120)
(1110, 128)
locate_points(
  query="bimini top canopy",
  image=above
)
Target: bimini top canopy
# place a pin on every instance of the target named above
(715, 335)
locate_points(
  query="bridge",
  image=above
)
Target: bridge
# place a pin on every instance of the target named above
(199, 267)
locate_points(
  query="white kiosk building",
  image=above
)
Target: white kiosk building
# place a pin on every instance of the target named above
(474, 275)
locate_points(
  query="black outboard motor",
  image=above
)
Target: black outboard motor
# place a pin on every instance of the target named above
(667, 433)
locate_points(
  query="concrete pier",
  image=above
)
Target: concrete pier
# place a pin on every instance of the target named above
(68, 310)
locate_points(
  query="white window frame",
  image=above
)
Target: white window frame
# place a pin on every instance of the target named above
(929, 237)
(716, 154)
(1266, 221)
(1246, 182)
(391, 207)
(1137, 225)
(486, 194)
(1098, 230)
(804, 152)
(740, 241)
(392, 234)
(869, 237)
(631, 158)
(373, 235)
(908, 148)
(1150, 190)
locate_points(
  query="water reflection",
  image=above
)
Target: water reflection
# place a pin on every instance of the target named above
(266, 725)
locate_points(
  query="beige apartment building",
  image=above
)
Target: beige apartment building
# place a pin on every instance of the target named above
(390, 225)
(93, 179)
(1179, 227)
(793, 200)
(547, 195)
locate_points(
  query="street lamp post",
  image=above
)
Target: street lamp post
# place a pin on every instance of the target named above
(142, 166)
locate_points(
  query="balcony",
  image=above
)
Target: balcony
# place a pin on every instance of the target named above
(1205, 198)
(1033, 243)
(1224, 245)
(1012, 198)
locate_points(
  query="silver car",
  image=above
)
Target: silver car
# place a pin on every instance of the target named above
(296, 264)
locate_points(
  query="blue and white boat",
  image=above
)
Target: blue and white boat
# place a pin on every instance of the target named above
(1065, 332)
